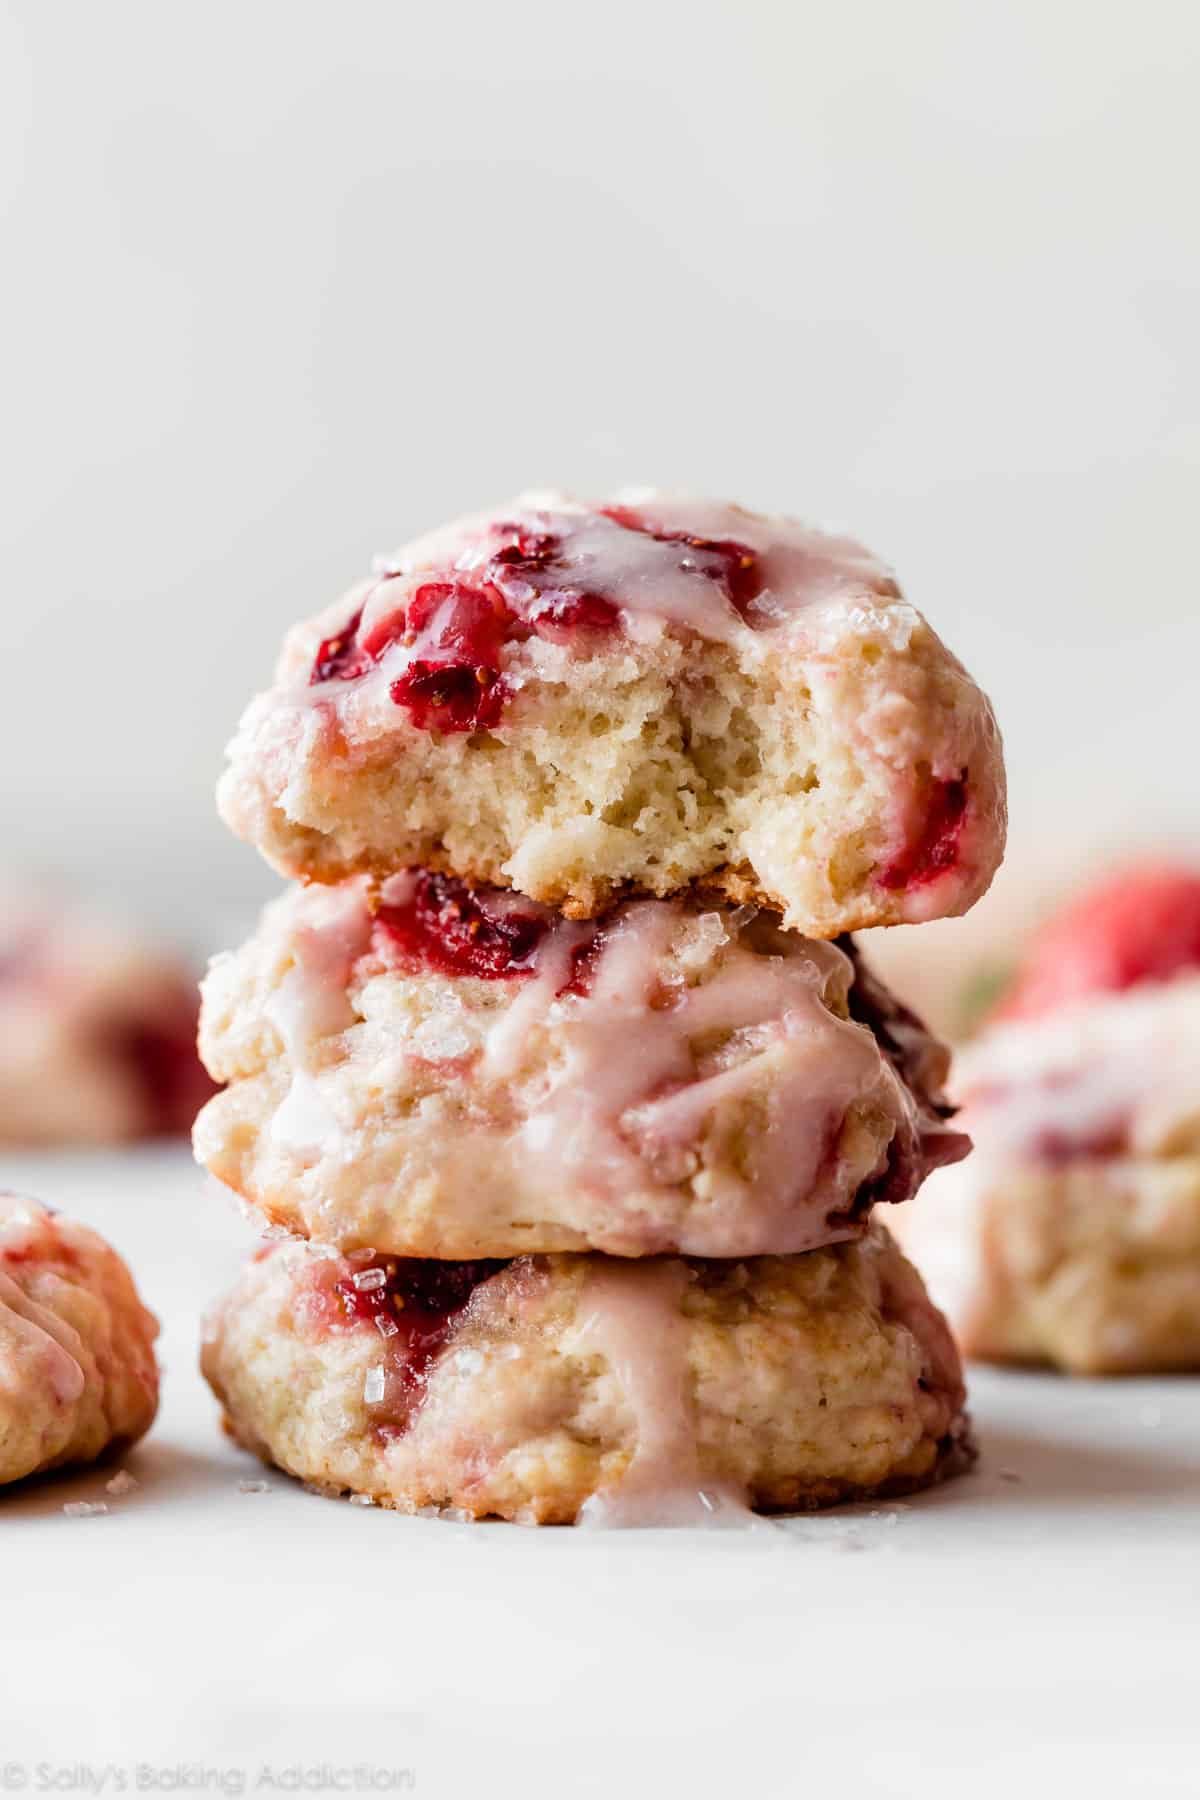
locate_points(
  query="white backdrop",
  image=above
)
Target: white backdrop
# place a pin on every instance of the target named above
(283, 283)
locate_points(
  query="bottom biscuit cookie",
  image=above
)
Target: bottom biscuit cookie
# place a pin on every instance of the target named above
(554, 1389)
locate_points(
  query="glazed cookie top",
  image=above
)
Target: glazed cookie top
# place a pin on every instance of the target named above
(596, 1057)
(642, 694)
(429, 627)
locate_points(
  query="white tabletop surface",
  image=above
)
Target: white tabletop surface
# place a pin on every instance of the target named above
(1033, 1626)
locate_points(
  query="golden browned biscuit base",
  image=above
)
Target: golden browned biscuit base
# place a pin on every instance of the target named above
(581, 702)
(563, 1388)
(77, 1368)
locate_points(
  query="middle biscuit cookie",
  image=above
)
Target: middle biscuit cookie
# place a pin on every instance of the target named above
(427, 1070)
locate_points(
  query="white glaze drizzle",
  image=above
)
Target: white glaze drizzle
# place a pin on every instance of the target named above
(628, 1096)
(651, 582)
(632, 1318)
(640, 1066)
(30, 1334)
(29, 1330)
(23, 1224)
(311, 1004)
(799, 566)
(552, 972)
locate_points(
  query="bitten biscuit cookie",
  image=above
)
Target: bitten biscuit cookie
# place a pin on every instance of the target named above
(77, 1369)
(436, 1072)
(561, 1388)
(578, 701)
(97, 1031)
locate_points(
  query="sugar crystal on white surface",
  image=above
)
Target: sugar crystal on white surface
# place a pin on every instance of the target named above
(122, 1483)
(362, 1500)
(374, 1385)
(702, 941)
(369, 1280)
(84, 1509)
(254, 1487)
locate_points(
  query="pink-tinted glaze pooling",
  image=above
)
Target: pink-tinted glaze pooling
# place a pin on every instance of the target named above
(529, 570)
(732, 566)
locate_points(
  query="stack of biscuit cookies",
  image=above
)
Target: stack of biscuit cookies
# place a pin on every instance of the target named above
(575, 1107)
